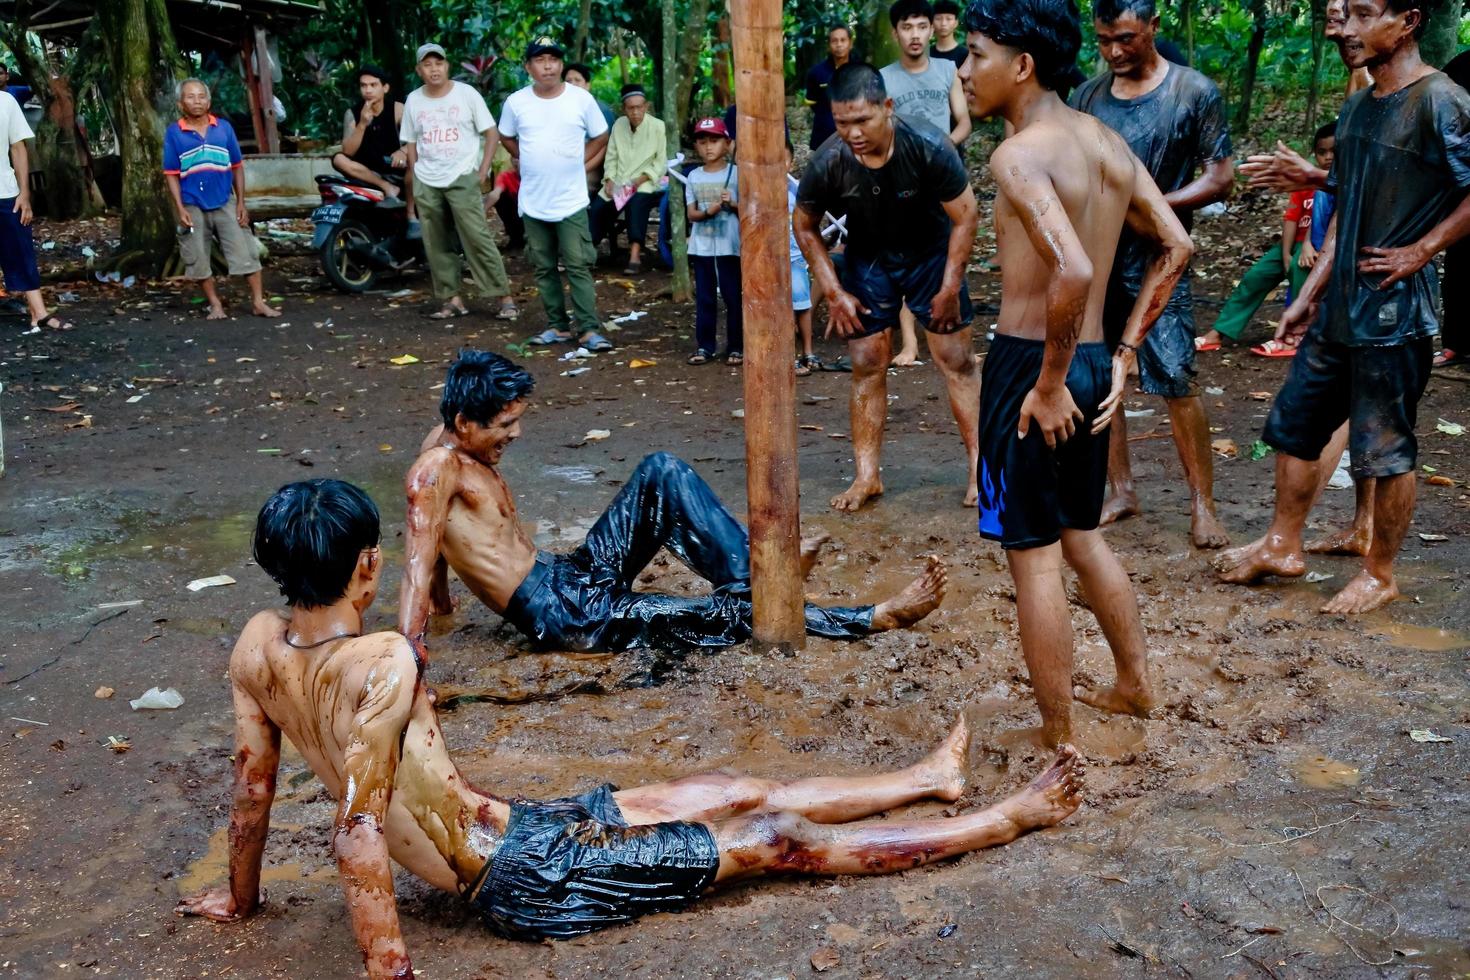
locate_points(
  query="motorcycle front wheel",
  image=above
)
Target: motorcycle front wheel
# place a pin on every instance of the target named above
(346, 271)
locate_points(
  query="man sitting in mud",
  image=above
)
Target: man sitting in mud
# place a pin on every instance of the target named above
(358, 710)
(461, 515)
(1066, 187)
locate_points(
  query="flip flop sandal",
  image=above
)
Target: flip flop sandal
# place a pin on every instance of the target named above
(699, 357)
(1274, 348)
(449, 313)
(812, 361)
(1203, 346)
(595, 342)
(842, 364)
(1446, 357)
(548, 337)
(633, 268)
(52, 322)
(508, 311)
(735, 358)
(801, 369)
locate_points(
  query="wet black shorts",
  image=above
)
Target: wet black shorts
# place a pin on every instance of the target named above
(1166, 356)
(1028, 492)
(572, 866)
(884, 288)
(1376, 390)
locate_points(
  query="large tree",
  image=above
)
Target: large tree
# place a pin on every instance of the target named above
(673, 126)
(1442, 34)
(145, 66)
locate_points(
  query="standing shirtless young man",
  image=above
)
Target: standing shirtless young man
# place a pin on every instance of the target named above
(357, 708)
(1066, 187)
(461, 515)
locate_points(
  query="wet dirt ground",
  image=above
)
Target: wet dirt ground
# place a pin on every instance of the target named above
(1275, 819)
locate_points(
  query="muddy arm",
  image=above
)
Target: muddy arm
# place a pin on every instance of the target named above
(964, 218)
(1152, 218)
(1213, 184)
(432, 484)
(369, 766)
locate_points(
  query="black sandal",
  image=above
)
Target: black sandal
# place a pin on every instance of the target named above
(735, 358)
(53, 322)
(699, 357)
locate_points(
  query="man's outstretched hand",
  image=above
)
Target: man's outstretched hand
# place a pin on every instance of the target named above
(842, 314)
(1123, 365)
(1053, 411)
(1283, 170)
(218, 904)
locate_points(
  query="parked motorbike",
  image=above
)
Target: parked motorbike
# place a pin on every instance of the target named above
(361, 233)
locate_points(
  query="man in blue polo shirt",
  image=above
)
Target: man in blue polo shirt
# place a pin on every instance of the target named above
(205, 172)
(839, 52)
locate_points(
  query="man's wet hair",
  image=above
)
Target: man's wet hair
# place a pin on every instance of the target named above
(1050, 31)
(1109, 11)
(1326, 131)
(308, 538)
(479, 385)
(1426, 8)
(584, 70)
(373, 71)
(904, 9)
(857, 82)
(946, 7)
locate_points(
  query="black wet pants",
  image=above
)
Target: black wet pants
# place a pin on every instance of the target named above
(585, 600)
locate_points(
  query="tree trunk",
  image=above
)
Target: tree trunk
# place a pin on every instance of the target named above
(724, 94)
(690, 44)
(1442, 35)
(143, 59)
(1314, 82)
(1252, 62)
(1186, 20)
(772, 487)
(579, 43)
(878, 46)
(68, 189)
(383, 30)
(674, 126)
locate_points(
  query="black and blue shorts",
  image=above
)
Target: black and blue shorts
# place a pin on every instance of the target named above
(886, 286)
(571, 866)
(1028, 492)
(1376, 390)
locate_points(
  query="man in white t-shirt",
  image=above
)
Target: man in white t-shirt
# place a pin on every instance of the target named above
(450, 136)
(553, 129)
(17, 249)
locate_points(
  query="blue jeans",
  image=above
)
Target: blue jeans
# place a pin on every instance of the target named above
(714, 277)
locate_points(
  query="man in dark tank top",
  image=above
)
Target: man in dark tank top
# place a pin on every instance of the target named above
(371, 149)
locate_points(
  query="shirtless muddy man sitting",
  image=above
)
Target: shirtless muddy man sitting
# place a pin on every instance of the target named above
(461, 516)
(357, 708)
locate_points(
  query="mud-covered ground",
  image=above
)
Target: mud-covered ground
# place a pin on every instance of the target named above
(1276, 818)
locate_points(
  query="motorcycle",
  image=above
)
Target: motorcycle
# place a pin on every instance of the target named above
(361, 233)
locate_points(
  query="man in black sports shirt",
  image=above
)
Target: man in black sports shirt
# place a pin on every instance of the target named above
(911, 219)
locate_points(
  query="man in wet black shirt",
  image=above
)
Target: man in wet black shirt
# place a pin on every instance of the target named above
(1400, 175)
(1173, 119)
(911, 218)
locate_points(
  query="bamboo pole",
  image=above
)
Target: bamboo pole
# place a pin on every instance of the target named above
(770, 350)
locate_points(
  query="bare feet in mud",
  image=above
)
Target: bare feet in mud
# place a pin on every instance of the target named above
(1347, 541)
(1205, 529)
(265, 310)
(1119, 506)
(972, 495)
(856, 495)
(215, 313)
(1255, 561)
(1364, 593)
(1052, 796)
(905, 358)
(811, 549)
(945, 767)
(1117, 699)
(922, 596)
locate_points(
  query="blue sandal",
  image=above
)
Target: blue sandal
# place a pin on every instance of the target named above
(550, 336)
(594, 342)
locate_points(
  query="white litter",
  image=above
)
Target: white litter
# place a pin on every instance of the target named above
(629, 317)
(1341, 479)
(580, 354)
(158, 699)
(209, 583)
(575, 371)
(1142, 413)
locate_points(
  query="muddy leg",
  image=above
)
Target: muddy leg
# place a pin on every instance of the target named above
(1046, 635)
(1352, 540)
(953, 353)
(786, 842)
(1192, 439)
(1374, 586)
(1279, 551)
(1110, 595)
(920, 598)
(1122, 498)
(867, 408)
(827, 799)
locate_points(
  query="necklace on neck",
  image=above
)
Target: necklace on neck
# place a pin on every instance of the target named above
(310, 646)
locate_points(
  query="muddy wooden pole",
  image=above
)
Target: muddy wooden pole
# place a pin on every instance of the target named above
(770, 349)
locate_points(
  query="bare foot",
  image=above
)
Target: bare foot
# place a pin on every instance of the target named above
(856, 495)
(905, 357)
(945, 767)
(215, 313)
(1119, 506)
(1231, 557)
(972, 495)
(1267, 556)
(922, 596)
(1117, 699)
(264, 309)
(811, 548)
(1205, 529)
(1052, 796)
(442, 605)
(1347, 541)
(1364, 593)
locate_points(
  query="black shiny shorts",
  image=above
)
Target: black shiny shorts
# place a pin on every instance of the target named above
(571, 866)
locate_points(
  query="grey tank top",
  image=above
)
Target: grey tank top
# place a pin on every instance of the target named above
(924, 95)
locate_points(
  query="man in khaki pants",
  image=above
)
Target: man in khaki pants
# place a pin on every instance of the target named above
(450, 136)
(206, 177)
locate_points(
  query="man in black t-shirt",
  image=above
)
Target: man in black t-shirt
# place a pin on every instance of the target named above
(1400, 175)
(911, 218)
(1173, 119)
(371, 150)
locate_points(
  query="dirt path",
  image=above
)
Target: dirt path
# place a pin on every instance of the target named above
(1279, 778)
